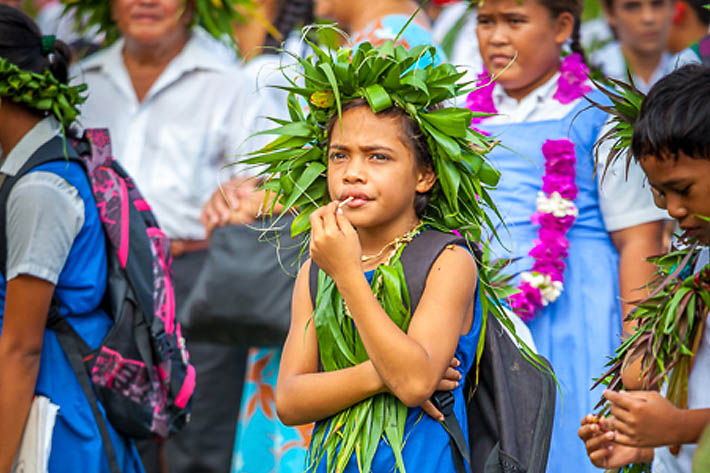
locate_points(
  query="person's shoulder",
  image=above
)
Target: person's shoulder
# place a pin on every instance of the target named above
(98, 60)
(609, 59)
(208, 52)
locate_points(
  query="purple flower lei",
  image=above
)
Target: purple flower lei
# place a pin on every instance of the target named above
(556, 211)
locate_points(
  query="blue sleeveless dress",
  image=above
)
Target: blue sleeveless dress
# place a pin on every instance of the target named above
(76, 442)
(581, 328)
(426, 442)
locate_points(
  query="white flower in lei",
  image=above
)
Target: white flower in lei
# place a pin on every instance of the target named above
(556, 205)
(549, 290)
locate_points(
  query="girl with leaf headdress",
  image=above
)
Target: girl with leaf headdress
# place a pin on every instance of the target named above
(374, 167)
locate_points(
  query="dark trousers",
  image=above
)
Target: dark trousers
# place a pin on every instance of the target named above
(206, 444)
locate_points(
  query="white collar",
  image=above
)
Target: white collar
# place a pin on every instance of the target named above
(201, 52)
(541, 94)
(42, 132)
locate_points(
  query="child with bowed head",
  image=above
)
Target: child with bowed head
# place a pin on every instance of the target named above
(671, 141)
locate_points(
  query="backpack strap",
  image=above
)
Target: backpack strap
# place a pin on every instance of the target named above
(56, 149)
(417, 259)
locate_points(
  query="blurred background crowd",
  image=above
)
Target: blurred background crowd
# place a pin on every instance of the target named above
(181, 107)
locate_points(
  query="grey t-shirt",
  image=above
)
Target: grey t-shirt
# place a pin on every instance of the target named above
(44, 212)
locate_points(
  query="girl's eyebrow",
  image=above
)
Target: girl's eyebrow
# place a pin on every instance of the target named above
(366, 149)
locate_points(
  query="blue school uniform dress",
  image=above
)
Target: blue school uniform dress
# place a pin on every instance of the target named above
(426, 443)
(62, 241)
(578, 331)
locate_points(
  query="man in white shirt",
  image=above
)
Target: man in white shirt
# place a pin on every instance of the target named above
(179, 110)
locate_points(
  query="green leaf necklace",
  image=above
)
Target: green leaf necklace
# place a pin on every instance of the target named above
(359, 428)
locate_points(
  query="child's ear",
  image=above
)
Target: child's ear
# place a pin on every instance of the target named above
(425, 180)
(564, 25)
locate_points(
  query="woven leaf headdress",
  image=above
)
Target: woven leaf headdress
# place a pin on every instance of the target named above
(385, 76)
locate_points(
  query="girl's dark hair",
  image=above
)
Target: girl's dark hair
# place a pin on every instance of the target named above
(411, 135)
(21, 44)
(575, 7)
(291, 14)
(675, 116)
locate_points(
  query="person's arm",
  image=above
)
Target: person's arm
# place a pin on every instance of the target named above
(411, 364)
(303, 394)
(634, 245)
(26, 307)
(647, 419)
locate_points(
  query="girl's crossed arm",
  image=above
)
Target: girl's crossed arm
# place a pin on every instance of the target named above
(303, 394)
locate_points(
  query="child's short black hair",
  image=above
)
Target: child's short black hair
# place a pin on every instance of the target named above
(675, 116)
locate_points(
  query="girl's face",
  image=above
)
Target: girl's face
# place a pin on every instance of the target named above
(682, 187)
(150, 21)
(371, 161)
(526, 28)
(641, 25)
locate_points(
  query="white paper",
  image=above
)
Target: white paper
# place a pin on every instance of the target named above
(36, 444)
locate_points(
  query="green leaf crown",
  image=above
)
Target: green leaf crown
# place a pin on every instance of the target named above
(41, 92)
(216, 16)
(386, 76)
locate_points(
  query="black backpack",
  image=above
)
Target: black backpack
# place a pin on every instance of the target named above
(511, 411)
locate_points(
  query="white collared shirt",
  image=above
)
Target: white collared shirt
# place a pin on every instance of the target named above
(624, 201)
(194, 121)
(610, 59)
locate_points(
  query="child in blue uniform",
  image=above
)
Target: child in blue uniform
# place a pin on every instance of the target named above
(55, 250)
(381, 309)
(581, 239)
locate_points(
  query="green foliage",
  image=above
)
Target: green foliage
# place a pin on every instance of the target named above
(701, 459)
(42, 92)
(385, 76)
(216, 16)
(626, 102)
(670, 325)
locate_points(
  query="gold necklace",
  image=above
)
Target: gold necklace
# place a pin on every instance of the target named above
(396, 243)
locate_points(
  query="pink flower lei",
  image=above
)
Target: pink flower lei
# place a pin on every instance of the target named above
(556, 211)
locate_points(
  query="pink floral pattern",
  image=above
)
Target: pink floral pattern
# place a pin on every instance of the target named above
(556, 211)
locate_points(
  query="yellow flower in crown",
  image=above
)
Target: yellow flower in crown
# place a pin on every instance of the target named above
(323, 99)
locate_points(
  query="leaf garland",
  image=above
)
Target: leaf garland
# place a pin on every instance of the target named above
(42, 92)
(216, 16)
(359, 428)
(671, 322)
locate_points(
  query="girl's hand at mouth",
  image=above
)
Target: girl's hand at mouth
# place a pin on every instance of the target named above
(335, 246)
